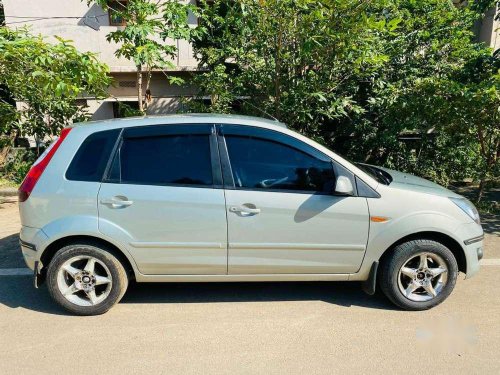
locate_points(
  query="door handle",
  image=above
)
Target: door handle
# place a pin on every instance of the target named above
(118, 201)
(247, 209)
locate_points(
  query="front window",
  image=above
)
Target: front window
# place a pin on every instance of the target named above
(258, 163)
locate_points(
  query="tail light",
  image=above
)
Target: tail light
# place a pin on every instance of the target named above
(37, 169)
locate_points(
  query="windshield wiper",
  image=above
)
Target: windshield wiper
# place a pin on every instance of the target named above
(378, 174)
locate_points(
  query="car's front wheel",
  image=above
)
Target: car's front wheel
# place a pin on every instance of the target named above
(86, 279)
(419, 274)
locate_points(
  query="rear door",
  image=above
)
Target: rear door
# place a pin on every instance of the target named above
(162, 198)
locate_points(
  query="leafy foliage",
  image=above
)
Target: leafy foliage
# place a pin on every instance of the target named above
(17, 166)
(447, 85)
(147, 25)
(467, 109)
(47, 78)
(294, 59)
(364, 78)
(148, 37)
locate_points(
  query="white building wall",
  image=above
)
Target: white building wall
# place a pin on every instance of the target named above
(100, 109)
(86, 26)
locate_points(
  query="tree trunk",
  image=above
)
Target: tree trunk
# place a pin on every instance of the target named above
(480, 190)
(147, 97)
(277, 72)
(3, 155)
(139, 88)
(4, 151)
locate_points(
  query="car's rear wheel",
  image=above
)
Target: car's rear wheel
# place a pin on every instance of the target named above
(86, 279)
(419, 274)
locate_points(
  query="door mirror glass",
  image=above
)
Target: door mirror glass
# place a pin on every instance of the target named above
(344, 186)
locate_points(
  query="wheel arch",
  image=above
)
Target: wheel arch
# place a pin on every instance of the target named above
(442, 238)
(50, 251)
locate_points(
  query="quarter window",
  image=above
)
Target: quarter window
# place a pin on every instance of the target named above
(92, 157)
(164, 160)
(258, 163)
(115, 10)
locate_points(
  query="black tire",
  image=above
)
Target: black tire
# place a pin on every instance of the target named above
(115, 267)
(389, 273)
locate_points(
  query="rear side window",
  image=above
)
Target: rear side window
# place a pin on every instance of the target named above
(179, 159)
(92, 157)
(265, 164)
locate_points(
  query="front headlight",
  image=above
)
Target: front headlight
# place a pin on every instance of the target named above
(467, 207)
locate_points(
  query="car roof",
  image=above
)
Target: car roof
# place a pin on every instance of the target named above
(183, 119)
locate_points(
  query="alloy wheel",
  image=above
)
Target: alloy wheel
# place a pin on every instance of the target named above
(423, 277)
(84, 280)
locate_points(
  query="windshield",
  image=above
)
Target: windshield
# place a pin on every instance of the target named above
(378, 174)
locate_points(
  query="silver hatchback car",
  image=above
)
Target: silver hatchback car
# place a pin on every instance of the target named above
(214, 198)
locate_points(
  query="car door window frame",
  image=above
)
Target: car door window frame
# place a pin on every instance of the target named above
(169, 130)
(278, 137)
(72, 173)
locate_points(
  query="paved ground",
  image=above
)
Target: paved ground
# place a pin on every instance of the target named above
(268, 328)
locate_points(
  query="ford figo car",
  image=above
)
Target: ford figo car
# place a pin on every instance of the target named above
(214, 198)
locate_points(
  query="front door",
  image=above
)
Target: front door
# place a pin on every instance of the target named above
(282, 215)
(162, 200)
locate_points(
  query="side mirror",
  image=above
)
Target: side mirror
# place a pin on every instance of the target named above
(344, 186)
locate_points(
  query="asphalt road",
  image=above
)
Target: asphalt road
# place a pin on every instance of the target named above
(263, 328)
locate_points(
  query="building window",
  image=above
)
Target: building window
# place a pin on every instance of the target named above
(114, 12)
(125, 109)
(127, 84)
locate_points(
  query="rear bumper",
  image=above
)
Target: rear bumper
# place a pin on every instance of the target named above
(31, 239)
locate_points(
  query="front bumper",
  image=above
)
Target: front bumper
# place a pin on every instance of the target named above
(473, 254)
(472, 243)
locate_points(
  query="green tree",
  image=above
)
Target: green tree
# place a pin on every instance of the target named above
(294, 59)
(47, 79)
(468, 107)
(359, 76)
(148, 36)
(442, 84)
